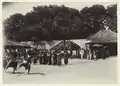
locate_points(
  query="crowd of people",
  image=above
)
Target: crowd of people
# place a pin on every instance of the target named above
(94, 53)
(44, 56)
(47, 57)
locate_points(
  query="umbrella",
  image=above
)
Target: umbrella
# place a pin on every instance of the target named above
(97, 45)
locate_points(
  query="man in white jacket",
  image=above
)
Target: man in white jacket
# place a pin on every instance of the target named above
(82, 52)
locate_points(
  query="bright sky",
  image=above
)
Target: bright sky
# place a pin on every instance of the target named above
(24, 7)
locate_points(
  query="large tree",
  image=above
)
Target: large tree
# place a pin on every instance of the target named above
(13, 25)
(111, 20)
(60, 23)
(93, 18)
(98, 17)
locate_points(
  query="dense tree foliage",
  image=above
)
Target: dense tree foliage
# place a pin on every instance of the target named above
(111, 20)
(13, 25)
(60, 22)
(93, 18)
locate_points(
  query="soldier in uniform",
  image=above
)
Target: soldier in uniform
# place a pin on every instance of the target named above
(40, 58)
(66, 58)
(59, 59)
(55, 59)
(44, 58)
(49, 59)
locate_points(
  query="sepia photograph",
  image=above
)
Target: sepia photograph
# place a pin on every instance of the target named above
(59, 43)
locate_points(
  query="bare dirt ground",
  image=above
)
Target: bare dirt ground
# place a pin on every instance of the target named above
(76, 72)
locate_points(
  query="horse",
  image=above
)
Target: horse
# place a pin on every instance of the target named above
(4, 63)
(27, 64)
(12, 64)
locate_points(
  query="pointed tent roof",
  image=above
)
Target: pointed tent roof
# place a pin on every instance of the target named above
(69, 45)
(14, 44)
(103, 36)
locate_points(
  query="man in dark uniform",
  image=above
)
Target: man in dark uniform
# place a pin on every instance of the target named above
(71, 53)
(40, 58)
(107, 53)
(44, 58)
(66, 58)
(49, 59)
(55, 59)
(59, 59)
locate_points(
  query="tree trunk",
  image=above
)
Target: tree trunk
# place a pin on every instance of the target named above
(19, 53)
(64, 43)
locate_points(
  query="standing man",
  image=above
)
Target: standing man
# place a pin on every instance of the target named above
(55, 59)
(71, 53)
(82, 52)
(66, 58)
(49, 58)
(45, 58)
(40, 58)
(95, 54)
(103, 52)
(107, 53)
(59, 59)
(89, 54)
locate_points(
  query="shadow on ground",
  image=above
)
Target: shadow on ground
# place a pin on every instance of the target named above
(26, 74)
(37, 73)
